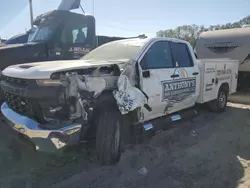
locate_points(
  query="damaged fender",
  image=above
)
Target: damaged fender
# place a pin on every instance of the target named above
(75, 83)
(127, 96)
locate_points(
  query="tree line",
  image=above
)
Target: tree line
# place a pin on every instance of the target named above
(191, 32)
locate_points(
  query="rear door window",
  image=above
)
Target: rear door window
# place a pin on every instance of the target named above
(181, 54)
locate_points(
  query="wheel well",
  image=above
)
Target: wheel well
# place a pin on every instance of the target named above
(106, 101)
(103, 102)
(225, 86)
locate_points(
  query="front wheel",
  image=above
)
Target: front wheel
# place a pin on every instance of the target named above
(219, 104)
(108, 137)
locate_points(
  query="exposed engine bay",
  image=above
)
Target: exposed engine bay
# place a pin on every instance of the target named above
(81, 90)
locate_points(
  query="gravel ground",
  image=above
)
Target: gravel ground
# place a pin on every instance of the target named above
(211, 150)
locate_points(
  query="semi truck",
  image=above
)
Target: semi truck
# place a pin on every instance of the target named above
(113, 94)
(56, 35)
(228, 43)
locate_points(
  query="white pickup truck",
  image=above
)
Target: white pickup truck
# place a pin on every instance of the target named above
(110, 91)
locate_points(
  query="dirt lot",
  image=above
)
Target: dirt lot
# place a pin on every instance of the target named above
(210, 150)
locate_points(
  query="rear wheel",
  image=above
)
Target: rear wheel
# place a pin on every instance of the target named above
(108, 137)
(219, 104)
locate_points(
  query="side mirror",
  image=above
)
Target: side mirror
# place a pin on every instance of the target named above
(144, 66)
(144, 62)
(146, 74)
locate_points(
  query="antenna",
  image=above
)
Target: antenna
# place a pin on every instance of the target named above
(82, 9)
(31, 13)
(93, 7)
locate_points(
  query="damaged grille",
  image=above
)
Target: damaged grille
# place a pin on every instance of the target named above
(21, 105)
(22, 97)
(17, 103)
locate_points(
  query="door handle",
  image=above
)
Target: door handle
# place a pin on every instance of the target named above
(216, 81)
(146, 74)
(174, 75)
(195, 73)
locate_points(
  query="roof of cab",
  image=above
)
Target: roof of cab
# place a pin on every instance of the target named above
(142, 41)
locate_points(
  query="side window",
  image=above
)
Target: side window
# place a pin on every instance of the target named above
(158, 56)
(79, 35)
(74, 34)
(181, 54)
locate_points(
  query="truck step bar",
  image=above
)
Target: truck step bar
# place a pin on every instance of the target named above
(168, 121)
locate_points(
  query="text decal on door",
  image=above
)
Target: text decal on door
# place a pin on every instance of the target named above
(178, 90)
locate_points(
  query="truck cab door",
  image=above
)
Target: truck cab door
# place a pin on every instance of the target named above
(187, 80)
(155, 68)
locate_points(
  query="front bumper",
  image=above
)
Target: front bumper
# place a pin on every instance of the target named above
(44, 140)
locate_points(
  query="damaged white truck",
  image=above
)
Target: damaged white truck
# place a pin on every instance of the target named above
(103, 96)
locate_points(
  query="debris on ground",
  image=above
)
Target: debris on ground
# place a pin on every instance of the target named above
(193, 154)
(143, 171)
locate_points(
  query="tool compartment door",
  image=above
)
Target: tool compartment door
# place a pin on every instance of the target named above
(234, 79)
(216, 73)
(209, 90)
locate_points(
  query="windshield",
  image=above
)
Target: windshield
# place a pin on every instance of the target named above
(18, 39)
(114, 51)
(41, 34)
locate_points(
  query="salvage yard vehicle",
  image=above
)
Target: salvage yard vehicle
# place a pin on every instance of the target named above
(113, 94)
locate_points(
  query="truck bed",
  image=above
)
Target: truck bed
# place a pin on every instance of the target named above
(215, 72)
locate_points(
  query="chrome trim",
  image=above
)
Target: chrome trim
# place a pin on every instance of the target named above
(44, 139)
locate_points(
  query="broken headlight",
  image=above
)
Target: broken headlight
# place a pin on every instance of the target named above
(48, 82)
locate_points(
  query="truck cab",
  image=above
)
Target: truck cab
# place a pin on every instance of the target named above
(170, 75)
(56, 35)
(67, 35)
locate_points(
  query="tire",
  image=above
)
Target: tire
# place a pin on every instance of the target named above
(108, 137)
(219, 104)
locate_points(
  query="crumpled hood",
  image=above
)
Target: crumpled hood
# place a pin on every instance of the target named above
(43, 70)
